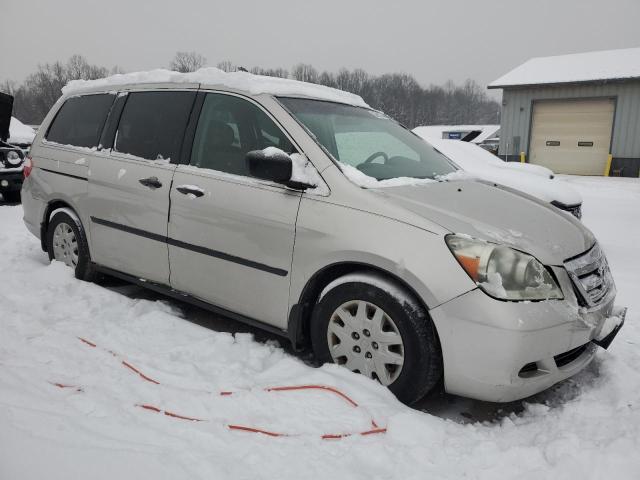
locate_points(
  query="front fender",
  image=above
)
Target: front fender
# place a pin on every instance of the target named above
(328, 234)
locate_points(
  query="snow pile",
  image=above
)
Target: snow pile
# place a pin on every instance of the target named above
(587, 427)
(579, 67)
(211, 76)
(19, 133)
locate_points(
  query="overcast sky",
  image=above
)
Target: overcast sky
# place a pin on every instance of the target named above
(432, 40)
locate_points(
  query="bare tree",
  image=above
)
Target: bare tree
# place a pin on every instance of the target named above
(78, 68)
(305, 73)
(187, 62)
(8, 86)
(40, 90)
(271, 72)
(226, 66)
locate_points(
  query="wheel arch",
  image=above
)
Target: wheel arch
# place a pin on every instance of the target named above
(300, 312)
(51, 206)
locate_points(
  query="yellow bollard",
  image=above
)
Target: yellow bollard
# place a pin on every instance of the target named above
(607, 168)
(522, 159)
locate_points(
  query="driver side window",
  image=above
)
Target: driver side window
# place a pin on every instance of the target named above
(228, 128)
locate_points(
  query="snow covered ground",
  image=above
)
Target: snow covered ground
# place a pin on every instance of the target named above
(587, 427)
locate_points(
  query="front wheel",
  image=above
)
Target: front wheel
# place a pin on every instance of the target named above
(67, 243)
(373, 327)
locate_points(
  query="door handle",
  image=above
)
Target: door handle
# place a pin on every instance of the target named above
(151, 182)
(190, 190)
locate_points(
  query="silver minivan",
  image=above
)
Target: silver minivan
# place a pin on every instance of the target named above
(299, 209)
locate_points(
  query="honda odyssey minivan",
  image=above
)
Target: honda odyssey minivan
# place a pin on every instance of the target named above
(299, 209)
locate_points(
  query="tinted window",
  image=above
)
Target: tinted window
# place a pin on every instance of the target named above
(228, 128)
(80, 120)
(152, 124)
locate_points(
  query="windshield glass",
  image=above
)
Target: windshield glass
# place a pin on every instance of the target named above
(368, 140)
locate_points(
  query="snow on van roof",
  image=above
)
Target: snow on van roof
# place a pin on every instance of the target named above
(245, 81)
(580, 67)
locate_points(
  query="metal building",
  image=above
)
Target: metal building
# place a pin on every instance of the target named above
(576, 114)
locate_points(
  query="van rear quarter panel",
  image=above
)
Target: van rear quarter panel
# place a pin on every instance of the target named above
(328, 233)
(59, 174)
(47, 183)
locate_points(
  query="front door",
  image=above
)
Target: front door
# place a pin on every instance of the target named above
(230, 235)
(128, 199)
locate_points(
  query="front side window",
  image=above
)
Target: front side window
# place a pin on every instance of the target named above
(368, 140)
(228, 128)
(80, 120)
(152, 124)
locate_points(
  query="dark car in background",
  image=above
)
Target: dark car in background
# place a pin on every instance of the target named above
(15, 140)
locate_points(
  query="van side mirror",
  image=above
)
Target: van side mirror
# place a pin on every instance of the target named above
(276, 167)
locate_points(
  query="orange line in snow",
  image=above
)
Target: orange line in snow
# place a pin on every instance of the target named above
(131, 367)
(87, 342)
(169, 414)
(313, 387)
(257, 430)
(328, 436)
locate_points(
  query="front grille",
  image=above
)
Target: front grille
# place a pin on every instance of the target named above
(591, 276)
(568, 357)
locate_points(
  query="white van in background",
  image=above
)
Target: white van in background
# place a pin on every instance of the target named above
(533, 180)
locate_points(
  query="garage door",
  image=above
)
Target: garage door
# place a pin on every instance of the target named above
(572, 136)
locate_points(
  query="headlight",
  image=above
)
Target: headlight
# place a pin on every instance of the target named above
(503, 272)
(13, 158)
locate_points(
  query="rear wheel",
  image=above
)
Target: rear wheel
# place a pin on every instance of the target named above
(372, 327)
(67, 243)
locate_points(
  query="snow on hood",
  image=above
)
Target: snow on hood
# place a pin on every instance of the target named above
(245, 81)
(497, 215)
(486, 166)
(19, 133)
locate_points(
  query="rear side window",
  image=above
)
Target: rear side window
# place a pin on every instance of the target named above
(152, 124)
(80, 120)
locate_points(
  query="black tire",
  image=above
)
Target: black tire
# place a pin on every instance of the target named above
(422, 368)
(11, 197)
(85, 269)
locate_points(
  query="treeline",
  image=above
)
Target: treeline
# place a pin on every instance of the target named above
(40, 90)
(397, 94)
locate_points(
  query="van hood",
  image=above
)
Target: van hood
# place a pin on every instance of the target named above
(496, 214)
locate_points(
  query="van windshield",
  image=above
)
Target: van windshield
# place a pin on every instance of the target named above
(368, 140)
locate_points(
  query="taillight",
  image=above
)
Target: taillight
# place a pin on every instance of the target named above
(28, 166)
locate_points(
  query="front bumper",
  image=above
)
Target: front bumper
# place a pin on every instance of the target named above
(10, 181)
(503, 351)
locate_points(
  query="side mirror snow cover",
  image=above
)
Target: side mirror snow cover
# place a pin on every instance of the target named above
(270, 164)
